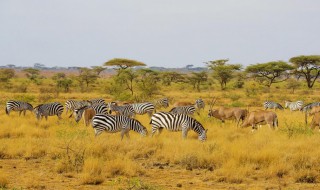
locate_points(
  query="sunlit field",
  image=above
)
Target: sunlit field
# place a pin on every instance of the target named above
(63, 154)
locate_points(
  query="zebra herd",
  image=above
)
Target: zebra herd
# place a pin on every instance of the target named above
(123, 121)
(177, 119)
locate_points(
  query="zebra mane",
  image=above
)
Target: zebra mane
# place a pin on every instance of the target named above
(83, 107)
(38, 106)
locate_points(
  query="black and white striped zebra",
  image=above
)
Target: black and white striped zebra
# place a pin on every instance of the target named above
(162, 103)
(272, 105)
(143, 108)
(13, 105)
(50, 109)
(126, 110)
(173, 122)
(117, 123)
(98, 108)
(308, 107)
(96, 101)
(200, 104)
(187, 110)
(75, 104)
(294, 106)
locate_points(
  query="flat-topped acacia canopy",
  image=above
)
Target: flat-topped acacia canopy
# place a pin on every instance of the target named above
(123, 63)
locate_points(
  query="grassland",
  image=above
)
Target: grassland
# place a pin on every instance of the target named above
(61, 154)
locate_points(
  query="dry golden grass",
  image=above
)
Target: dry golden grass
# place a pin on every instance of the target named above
(56, 151)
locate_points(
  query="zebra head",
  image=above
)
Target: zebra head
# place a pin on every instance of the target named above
(140, 128)
(286, 104)
(203, 135)
(78, 113)
(37, 112)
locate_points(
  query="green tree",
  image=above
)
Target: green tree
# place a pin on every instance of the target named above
(271, 72)
(62, 81)
(87, 76)
(98, 69)
(222, 71)
(167, 77)
(196, 79)
(126, 78)
(123, 63)
(308, 67)
(293, 84)
(147, 81)
(33, 75)
(6, 75)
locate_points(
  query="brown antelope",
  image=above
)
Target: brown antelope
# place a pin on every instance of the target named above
(315, 120)
(261, 117)
(227, 113)
(314, 110)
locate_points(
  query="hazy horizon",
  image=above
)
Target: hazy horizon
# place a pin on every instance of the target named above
(159, 33)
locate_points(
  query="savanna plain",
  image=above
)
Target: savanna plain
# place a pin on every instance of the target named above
(63, 154)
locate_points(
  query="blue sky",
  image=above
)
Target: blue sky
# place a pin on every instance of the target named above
(164, 33)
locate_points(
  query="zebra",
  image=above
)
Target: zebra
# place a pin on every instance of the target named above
(293, 106)
(75, 104)
(98, 108)
(187, 110)
(126, 110)
(96, 101)
(272, 105)
(117, 123)
(18, 106)
(308, 107)
(49, 109)
(163, 102)
(199, 104)
(142, 108)
(173, 122)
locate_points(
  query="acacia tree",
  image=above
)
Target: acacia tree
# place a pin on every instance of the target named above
(222, 71)
(62, 81)
(272, 72)
(33, 74)
(122, 64)
(87, 76)
(147, 82)
(308, 67)
(167, 77)
(197, 78)
(98, 69)
(6, 75)
(125, 78)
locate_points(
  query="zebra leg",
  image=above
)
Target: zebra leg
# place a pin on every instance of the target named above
(154, 130)
(24, 112)
(20, 113)
(184, 133)
(46, 118)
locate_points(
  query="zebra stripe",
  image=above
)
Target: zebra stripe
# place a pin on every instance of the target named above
(13, 105)
(48, 110)
(272, 105)
(187, 110)
(142, 108)
(126, 110)
(174, 122)
(163, 102)
(98, 109)
(75, 104)
(308, 107)
(199, 104)
(96, 101)
(117, 123)
(293, 106)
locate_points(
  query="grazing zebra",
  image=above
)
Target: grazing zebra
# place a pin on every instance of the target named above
(18, 106)
(308, 107)
(116, 123)
(75, 104)
(96, 101)
(142, 108)
(199, 104)
(98, 108)
(163, 102)
(48, 110)
(173, 122)
(272, 105)
(187, 110)
(126, 110)
(293, 106)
